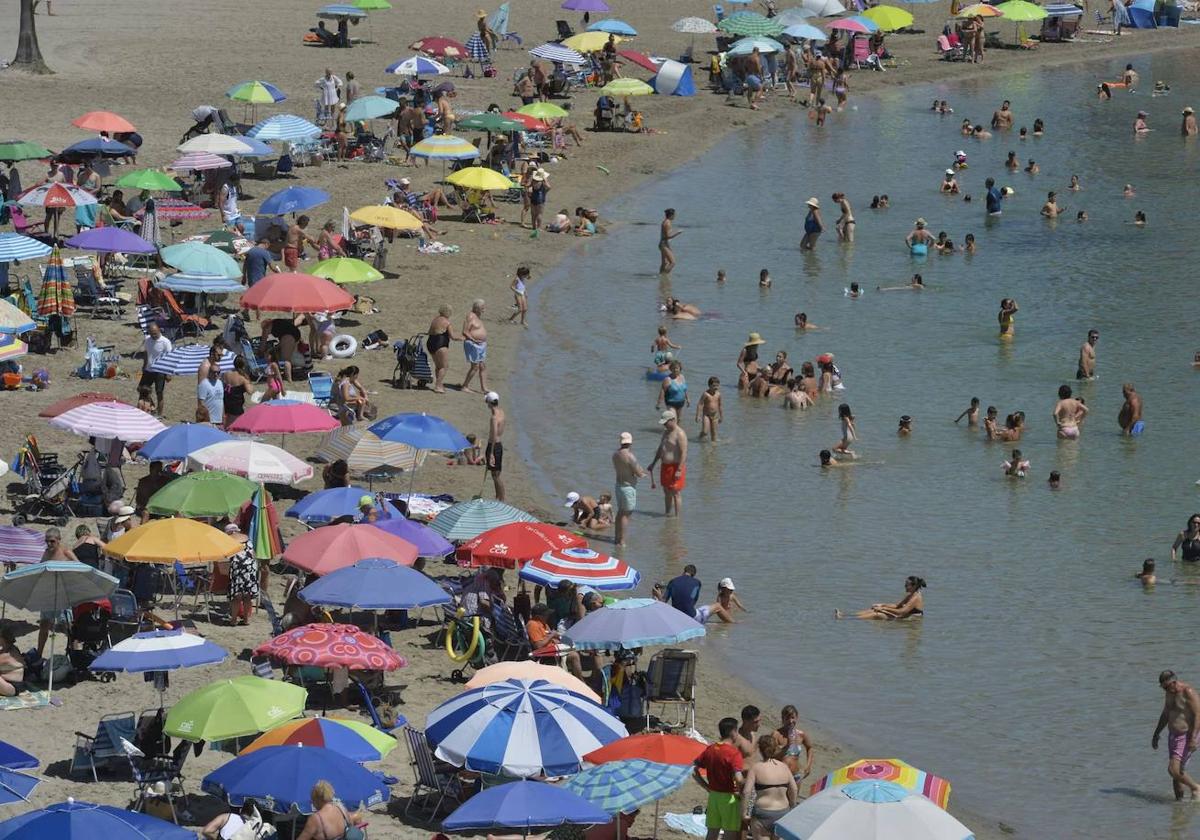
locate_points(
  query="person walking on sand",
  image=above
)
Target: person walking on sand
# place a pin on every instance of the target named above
(672, 453)
(628, 471)
(1130, 416)
(1087, 357)
(474, 337)
(493, 455)
(520, 299)
(438, 345)
(723, 777)
(666, 234)
(1181, 718)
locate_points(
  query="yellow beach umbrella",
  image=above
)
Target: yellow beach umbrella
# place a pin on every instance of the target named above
(386, 217)
(480, 178)
(586, 42)
(167, 540)
(627, 87)
(889, 18)
(980, 10)
(543, 111)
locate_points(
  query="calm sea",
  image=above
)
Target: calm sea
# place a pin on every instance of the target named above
(1031, 683)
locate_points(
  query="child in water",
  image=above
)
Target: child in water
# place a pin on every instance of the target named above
(854, 292)
(1146, 575)
(1016, 467)
(849, 433)
(709, 412)
(971, 412)
(905, 428)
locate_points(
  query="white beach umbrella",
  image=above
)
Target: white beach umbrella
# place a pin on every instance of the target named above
(694, 26)
(797, 15)
(870, 810)
(217, 144)
(251, 459)
(824, 8)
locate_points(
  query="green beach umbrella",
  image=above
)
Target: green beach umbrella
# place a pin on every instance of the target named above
(889, 18)
(202, 494)
(14, 150)
(201, 258)
(149, 179)
(543, 111)
(345, 270)
(490, 122)
(371, 5)
(234, 708)
(627, 87)
(370, 108)
(750, 23)
(1021, 11)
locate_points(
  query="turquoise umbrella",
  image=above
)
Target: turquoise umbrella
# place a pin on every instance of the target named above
(467, 520)
(370, 108)
(621, 787)
(201, 258)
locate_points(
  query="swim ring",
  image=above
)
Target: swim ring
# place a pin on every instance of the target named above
(343, 346)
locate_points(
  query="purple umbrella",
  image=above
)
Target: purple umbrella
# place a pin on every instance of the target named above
(585, 5)
(21, 545)
(110, 240)
(429, 542)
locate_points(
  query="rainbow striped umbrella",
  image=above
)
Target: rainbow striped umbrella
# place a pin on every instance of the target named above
(255, 93)
(583, 566)
(12, 347)
(56, 296)
(892, 770)
(264, 526)
(444, 147)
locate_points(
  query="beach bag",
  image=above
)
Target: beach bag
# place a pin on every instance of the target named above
(93, 366)
(61, 665)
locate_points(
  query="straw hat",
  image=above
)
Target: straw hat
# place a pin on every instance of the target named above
(1188, 110)
(920, 223)
(539, 175)
(480, 14)
(755, 338)
(812, 202)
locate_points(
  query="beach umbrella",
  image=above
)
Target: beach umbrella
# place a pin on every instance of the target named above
(78, 820)
(352, 739)
(524, 805)
(627, 87)
(582, 566)
(263, 526)
(371, 5)
(187, 358)
(282, 778)
(234, 708)
(254, 93)
(365, 452)
(465, 520)
(251, 459)
(176, 209)
(429, 543)
(980, 10)
(694, 26)
(621, 787)
(341, 10)
(201, 258)
(805, 32)
(824, 8)
(889, 18)
(159, 650)
(13, 321)
(444, 147)
(284, 417)
(345, 270)
(16, 246)
(292, 200)
(421, 431)
(109, 420)
(440, 47)
(588, 42)
(614, 26)
(149, 179)
(745, 46)
(111, 240)
(95, 147)
(511, 546)
(383, 216)
(202, 495)
(634, 623)
(857, 25)
(11, 347)
(477, 50)
(417, 65)
(56, 297)
(16, 787)
(375, 584)
(21, 545)
(168, 541)
(640, 59)
(324, 506)
(15, 758)
(480, 178)
(585, 5)
(179, 441)
(257, 148)
(105, 121)
(530, 670)
(798, 14)
(658, 747)
(200, 162)
(750, 23)
(878, 810)
(76, 400)
(12, 151)
(205, 284)
(520, 728)
(335, 547)
(332, 646)
(284, 127)
(222, 240)
(370, 108)
(293, 292)
(530, 123)
(558, 54)
(56, 195)
(216, 144)
(933, 788)
(1022, 11)
(543, 111)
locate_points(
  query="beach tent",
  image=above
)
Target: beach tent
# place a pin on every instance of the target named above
(1141, 14)
(674, 79)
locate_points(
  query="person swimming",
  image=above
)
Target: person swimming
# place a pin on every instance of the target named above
(905, 428)
(915, 285)
(1146, 575)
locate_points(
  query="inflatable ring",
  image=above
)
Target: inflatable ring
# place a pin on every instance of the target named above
(343, 346)
(476, 642)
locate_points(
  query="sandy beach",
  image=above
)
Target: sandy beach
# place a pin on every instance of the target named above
(154, 63)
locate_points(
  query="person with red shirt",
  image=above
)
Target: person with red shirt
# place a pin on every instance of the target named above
(541, 636)
(724, 773)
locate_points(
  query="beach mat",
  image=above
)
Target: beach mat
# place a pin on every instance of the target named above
(25, 700)
(693, 824)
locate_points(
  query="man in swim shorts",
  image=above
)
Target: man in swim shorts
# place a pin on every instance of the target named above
(475, 346)
(1087, 356)
(724, 773)
(1068, 412)
(628, 471)
(493, 455)
(1130, 416)
(672, 452)
(1181, 718)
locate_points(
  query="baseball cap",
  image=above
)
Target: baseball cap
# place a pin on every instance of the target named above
(726, 583)
(626, 438)
(667, 416)
(366, 501)
(572, 498)
(491, 398)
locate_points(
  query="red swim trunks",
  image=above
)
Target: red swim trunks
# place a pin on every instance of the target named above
(673, 476)
(291, 257)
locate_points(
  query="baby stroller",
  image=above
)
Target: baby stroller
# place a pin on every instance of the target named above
(88, 638)
(47, 493)
(413, 369)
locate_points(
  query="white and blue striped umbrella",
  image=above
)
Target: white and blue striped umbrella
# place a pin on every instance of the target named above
(211, 284)
(15, 246)
(476, 49)
(159, 650)
(418, 65)
(285, 127)
(557, 53)
(187, 358)
(520, 728)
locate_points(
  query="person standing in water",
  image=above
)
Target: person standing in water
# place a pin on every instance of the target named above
(1087, 357)
(1008, 314)
(674, 390)
(666, 234)
(1130, 416)
(1181, 718)
(672, 453)
(845, 222)
(628, 471)
(813, 226)
(709, 412)
(1068, 413)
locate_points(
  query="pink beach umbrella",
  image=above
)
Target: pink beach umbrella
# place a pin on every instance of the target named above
(284, 417)
(109, 420)
(851, 25)
(251, 459)
(334, 547)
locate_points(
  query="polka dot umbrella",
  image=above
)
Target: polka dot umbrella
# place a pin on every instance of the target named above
(332, 646)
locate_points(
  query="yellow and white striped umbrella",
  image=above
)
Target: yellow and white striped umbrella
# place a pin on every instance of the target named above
(364, 451)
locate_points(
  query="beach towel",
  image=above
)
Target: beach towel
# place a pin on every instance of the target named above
(692, 824)
(25, 700)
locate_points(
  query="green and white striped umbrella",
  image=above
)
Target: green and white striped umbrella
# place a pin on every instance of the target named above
(750, 23)
(621, 787)
(467, 520)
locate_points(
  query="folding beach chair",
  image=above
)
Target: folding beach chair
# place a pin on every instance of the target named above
(103, 749)
(429, 781)
(671, 681)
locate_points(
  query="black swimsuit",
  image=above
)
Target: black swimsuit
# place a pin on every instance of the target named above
(1191, 550)
(438, 341)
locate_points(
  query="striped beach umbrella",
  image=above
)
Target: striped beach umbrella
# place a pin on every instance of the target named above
(621, 787)
(254, 93)
(555, 52)
(184, 359)
(467, 520)
(520, 728)
(750, 23)
(56, 296)
(477, 50)
(365, 452)
(172, 209)
(251, 459)
(933, 788)
(13, 321)
(869, 809)
(15, 150)
(263, 529)
(76, 400)
(56, 195)
(15, 246)
(159, 650)
(444, 147)
(353, 739)
(200, 162)
(109, 420)
(418, 65)
(21, 545)
(12, 347)
(582, 566)
(284, 127)
(205, 284)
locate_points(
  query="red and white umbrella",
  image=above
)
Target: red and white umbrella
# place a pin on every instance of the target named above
(251, 459)
(56, 196)
(583, 566)
(109, 420)
(284, 417)
(513, 545)
(176, 208)
(200, 161)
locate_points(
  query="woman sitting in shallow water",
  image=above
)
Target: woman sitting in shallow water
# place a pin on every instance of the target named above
(910, 606)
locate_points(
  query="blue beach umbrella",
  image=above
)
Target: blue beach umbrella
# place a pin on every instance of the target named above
(284, 127)
(340, 10)
(257, 147)
(327, 505)
(206, 284)
(370, 108)
(467, 520)
(524, 805)
(16, 246)
(16, 787)
(95, 146)
(520, 728)
(159, 650)
(621, 787)
(293, 200)
(375, 584)
(616, 27)
(74, 820)
(187, 359)
(429, 542)
(805, 32)
(15, 758)
(281, 779)
(177, 442)
(421, 431)
(633, 623)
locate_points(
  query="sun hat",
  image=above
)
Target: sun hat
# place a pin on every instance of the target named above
(726, 583)
(1188, 110)
(539, 175)
(755, 339)
(491, 398)
(124, 513)
(812, 202)
(572, 498)
(667, 417)
(949, 171)
(366, 500)
(232, 528)
(960, 153)
(626, 438)
(920, 223)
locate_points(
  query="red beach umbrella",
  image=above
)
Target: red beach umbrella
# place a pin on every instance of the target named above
(515, 544)
(439, 46)
(334, 547)
(332, 646)
(65, 405)
(531, 123)
(658, 747)
(294, 292)
(640, 59)
(103, 121)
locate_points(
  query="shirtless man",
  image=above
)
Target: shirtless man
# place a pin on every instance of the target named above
(1068, 412)
(746, 736)
(672, 453)
(493, 456)
(666, 234)
(1130, 416)
(1002, 119)
(1051, 209)
(297, 236)
(1087, 357)
(583, 508)
(628, 471)
(1181, 718)
(474, 337)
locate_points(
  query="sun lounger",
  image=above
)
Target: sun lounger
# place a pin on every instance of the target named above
(104, 748)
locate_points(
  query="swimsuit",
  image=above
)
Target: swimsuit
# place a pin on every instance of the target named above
(438, 341)
(676, 395)
(1178, 747)
(1191, 550)
(702, 613)
(626, 497)
(496, 451)
(475, 351)
(673, 476)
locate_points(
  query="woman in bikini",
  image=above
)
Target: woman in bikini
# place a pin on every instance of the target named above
(275, 387)
(330, 819)
(774, 787)
(12, 664)
(747, 360)
(910, 606)
(723, 607)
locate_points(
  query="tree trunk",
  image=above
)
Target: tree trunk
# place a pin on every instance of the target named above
(29, 54)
